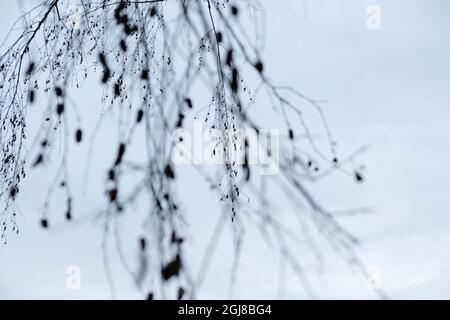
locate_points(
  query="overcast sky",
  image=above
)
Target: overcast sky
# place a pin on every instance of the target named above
(388, 88)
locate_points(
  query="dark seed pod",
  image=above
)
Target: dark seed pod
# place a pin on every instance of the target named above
(181, 293)
(175, 239)
(219, 37)
(229, 57)
(180, 120)
(78, 135)
(234, 11)
(31, 95)
(44, 223)
(247, 172)
(188, 103)
(106, 75)
(39, 160)
(117, 89)
(140, 115)
(58, 91)
(259, 66)
(106, 71)
(120, 154)
(30, 68)
(59, 109)
(102, 58)
(111, 174)
(144, 75)
(168, 172)
(172, 268)
(123, 45)
(13, 191)
(358, 177)
(112, 194)
(291, 134)
(234, 80)
(142, 243)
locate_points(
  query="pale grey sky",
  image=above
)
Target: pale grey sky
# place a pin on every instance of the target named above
(388, 88)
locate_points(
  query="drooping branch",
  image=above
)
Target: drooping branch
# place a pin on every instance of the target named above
(153, 56)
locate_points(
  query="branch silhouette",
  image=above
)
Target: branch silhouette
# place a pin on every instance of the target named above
(151, 55)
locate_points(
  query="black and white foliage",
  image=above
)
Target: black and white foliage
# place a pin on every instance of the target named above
(149, 55)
